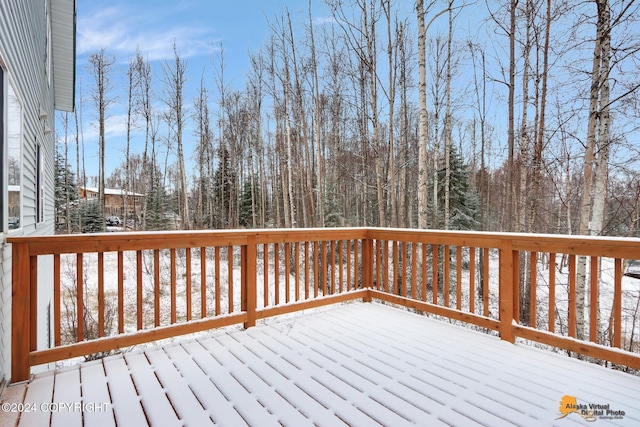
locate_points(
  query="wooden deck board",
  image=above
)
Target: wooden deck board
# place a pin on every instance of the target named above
(12, 395)
(66, 390)
(95, 391)
(218, 407)
(357, 364)
(155, 402)
(38, 393)
(126, 402)
(189, 410)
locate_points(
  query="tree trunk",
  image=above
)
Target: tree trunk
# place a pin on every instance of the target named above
(423, 209)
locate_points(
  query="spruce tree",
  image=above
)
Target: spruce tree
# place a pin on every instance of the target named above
(248, 202)
(92, 218)
(463, 198)
(65, 194)
(157, 203)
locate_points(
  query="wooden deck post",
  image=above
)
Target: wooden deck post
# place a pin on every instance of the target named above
(367, 266)
(506, 285)
(249, 280)
(20, 312)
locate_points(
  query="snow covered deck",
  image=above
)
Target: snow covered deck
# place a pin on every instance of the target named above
(358, 364)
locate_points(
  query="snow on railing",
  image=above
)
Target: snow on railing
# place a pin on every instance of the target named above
(115, 290)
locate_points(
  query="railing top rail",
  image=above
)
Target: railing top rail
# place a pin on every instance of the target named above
(620, 247)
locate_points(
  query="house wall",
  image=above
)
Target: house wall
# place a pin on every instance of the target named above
(23, 49)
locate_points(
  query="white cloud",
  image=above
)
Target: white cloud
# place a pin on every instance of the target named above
(324, 20)
(122, 29)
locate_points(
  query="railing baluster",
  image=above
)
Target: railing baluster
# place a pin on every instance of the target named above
(348, 266)
(472, 279)
(378, 272)
(100, 294)
(424, 246)
(316, 261)
(356, 270)
(156, 286)
(385, 265)
(434, 274)
(617, 304)
(459, 277)
(515, 280)
(79, 298)
(396, 269)
(485, 285)
(552, 292)
(203, 283)
(265, 274)
(533, 304)
(187, 284)
(120, 292)
(323, 270)
(307, 279)
(414, 255)
(447, 274)
(594, 293)
(403, 267)
(139, 289)
(276, 272)
(230, 277)
(296, 252)
(572, 296)
(340, 264)
(216, 285)
(174, 307)
(287, 265)
(56, 300)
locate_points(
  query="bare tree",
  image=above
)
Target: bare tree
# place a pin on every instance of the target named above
(100, 69)
(174, 80)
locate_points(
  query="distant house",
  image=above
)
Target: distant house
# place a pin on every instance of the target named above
(114, 201)
(37, 77)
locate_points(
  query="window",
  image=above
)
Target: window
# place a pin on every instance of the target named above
(14, 158)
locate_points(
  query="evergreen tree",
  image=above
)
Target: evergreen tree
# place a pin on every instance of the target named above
(223, 182)
(464, 203)
(157, 203)
(92, 218)
(65, 194)
(249, 202)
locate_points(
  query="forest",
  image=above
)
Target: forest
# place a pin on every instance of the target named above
(387, 114)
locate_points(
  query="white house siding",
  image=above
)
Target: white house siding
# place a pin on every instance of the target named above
(23, 38)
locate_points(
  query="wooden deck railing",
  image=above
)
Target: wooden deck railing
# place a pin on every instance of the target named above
(116, 290)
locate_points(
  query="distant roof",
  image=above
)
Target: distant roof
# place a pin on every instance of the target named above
(112, 191)
(63, 35)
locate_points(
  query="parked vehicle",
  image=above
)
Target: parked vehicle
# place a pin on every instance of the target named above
(14, 222)
(114, 221)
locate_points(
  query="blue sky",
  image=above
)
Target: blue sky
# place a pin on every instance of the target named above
(198, 28)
